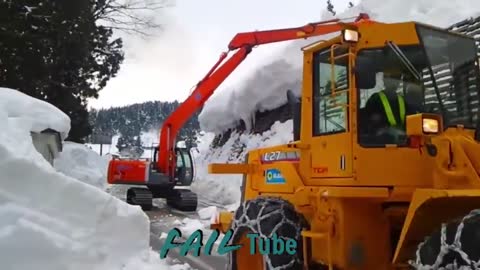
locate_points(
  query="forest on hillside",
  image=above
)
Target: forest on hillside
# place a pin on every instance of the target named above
(129, 121)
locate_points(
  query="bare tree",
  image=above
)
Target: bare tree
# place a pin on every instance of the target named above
(131, 16)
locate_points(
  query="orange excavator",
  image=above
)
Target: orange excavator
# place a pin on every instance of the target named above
(172, 165)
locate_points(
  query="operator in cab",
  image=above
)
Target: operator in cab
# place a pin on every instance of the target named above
(387, 110)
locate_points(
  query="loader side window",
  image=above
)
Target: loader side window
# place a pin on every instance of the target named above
(330, 111)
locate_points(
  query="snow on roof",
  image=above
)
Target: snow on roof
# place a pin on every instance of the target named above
(37, 115)
(266, 88)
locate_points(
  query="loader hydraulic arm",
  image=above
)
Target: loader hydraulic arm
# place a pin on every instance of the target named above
(243, 42)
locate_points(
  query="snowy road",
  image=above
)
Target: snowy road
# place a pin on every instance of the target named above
(163, 219)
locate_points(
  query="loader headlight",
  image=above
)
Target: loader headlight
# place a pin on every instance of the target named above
(424, 124)
(430, 125)
(350, 35)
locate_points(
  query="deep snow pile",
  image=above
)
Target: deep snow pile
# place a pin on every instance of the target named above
(222, 188)
(82, 163)
(32, 113)
(52, 221)
(267, 86)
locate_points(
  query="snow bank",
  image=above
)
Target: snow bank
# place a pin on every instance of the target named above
(82, 163)
(33, 114)
(223, 188)
(266, 88)
(52, 221)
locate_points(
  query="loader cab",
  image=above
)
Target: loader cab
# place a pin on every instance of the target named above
(438, 75)
(435, 72)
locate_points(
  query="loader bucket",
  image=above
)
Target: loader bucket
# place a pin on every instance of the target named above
(429, 208)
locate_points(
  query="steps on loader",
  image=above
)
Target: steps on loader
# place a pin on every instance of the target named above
(140, 196)
(183, 200)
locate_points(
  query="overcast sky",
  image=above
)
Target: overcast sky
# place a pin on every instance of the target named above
(196, 32)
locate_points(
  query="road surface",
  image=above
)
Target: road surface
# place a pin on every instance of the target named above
(162, 220)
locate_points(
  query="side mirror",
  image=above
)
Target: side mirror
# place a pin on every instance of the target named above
(296, 110)
(365, 76)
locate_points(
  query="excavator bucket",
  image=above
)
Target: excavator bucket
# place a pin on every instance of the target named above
(428, 210)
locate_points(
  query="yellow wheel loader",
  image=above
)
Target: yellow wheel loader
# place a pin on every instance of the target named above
(383, 169)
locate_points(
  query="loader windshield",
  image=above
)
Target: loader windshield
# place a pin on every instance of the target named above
(447, 85)
(451, 82)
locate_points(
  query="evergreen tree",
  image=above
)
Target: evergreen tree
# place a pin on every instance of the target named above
(60, 52)
(138, 147)
(55, 51)
(130, 121)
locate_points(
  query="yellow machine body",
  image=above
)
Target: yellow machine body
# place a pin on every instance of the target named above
(355, 197)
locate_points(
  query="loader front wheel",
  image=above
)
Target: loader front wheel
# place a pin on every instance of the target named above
(266, 216)
(455, 246)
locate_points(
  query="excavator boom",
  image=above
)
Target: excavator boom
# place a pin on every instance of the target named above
(243, 42)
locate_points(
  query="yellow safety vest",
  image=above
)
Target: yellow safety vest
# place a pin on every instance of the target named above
(388, 109)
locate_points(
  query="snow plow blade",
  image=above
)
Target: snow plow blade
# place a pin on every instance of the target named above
(429, 208)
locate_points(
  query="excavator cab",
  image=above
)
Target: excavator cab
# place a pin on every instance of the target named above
(184, 170)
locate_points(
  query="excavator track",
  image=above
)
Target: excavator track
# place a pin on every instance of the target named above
(183, 200)
(140, 196)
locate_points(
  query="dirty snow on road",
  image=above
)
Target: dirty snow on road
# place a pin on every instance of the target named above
(54, 221)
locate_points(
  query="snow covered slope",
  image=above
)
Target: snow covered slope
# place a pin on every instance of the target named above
(267, 86)
(225, 189)
(52, 221)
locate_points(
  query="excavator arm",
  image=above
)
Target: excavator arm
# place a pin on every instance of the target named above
(243, 43)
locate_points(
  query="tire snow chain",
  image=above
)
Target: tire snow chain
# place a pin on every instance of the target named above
(251, 224)
(445, 248)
